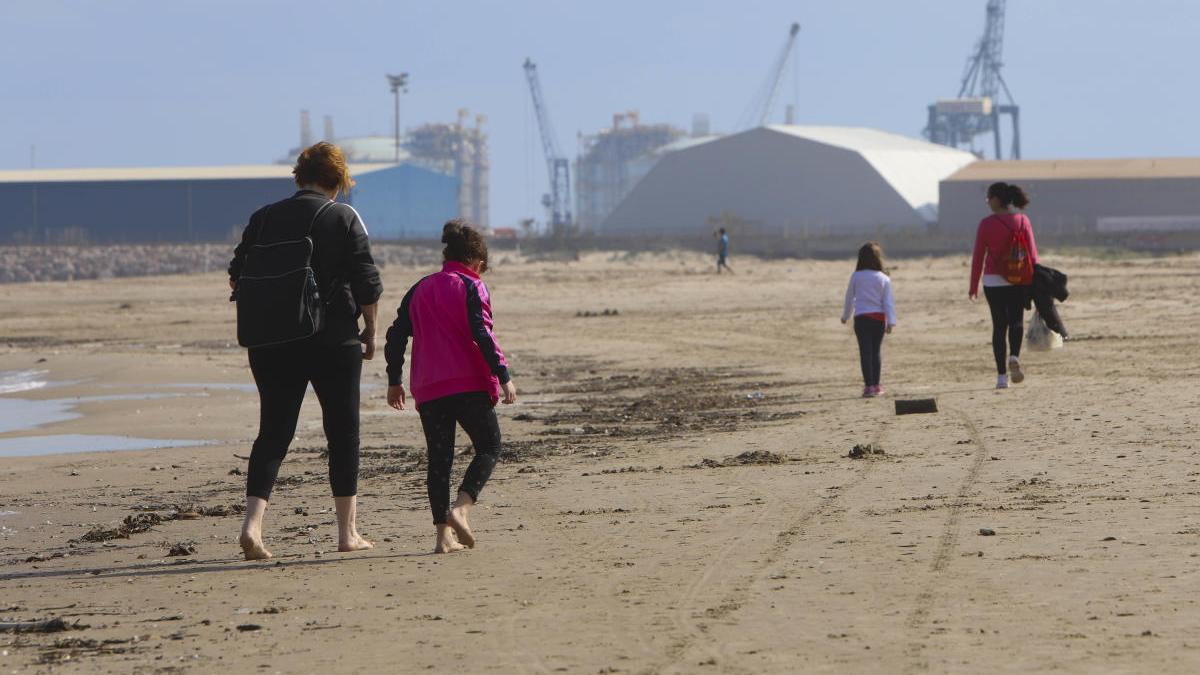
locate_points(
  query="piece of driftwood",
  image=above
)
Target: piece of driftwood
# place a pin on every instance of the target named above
(47, 626)
(916, 406)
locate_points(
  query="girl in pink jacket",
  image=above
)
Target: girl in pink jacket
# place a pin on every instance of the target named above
(458, 375)
(993, 245)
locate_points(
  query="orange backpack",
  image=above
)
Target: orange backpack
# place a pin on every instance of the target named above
(1018, 268)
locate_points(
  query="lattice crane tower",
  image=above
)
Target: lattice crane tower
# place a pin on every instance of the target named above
(983, 96)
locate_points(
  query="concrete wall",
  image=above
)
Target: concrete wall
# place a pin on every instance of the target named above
(784, 184)
(1072, 206)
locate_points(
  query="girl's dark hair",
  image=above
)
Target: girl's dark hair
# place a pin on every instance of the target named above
(464, 244)
(1008, 194)
(870, 257)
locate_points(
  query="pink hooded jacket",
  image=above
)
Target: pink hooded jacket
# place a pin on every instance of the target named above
(449, 317)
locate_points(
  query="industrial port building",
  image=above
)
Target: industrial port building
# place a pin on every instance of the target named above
(204, 204)
(790, 180)
(405, 190)
(1085, 195)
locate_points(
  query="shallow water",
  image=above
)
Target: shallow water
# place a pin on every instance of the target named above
(14, 381)
(31, 446)
(21, 414)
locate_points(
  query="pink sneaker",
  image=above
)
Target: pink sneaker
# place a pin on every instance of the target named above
(879, 390)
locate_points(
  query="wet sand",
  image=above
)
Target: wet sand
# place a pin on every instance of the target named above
(622, 532)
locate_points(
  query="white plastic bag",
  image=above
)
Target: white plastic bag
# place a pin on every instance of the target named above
(1039, 338)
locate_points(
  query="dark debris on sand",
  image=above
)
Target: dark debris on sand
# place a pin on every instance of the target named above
(69, 649)
(748, 458)
(134, 524)
(149, 517)
(661, 402)
(182, 549)
(55, 625)
(865, 451)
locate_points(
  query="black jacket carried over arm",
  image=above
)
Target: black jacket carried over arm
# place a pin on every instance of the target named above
(341, 260)
(1048, 285)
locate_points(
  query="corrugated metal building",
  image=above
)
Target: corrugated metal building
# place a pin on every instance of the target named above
(183, 204)
(1086, 195)
(792, 180)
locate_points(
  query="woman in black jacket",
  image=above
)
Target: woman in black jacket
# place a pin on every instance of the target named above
(348, 285)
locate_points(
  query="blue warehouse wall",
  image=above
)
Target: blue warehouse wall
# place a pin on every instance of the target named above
(405, 202)
(134, 211)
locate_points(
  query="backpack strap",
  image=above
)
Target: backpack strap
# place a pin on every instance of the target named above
(325, 297)
(317, 215)
(263, 225)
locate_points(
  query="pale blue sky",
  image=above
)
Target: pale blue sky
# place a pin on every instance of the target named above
(177, 82)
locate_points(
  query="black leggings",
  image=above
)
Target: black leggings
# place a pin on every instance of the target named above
(870, 348)
(1008, 320)
(282, 374)
(476, 413)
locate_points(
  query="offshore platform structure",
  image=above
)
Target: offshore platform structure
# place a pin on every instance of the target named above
(461, 151)
(612, 161)
(558, 200)
(763, 103)
(977, 110)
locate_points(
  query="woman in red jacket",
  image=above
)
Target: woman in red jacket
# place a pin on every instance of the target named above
(994, 260)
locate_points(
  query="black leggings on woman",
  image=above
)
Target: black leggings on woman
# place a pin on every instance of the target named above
(282, 374)
(1007, 304)
(439, 417)
(870, 347)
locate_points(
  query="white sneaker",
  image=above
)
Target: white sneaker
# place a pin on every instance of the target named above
(1014, 369)
(1002, 382)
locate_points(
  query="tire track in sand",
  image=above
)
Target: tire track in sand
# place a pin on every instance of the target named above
(716, 572)
(947, 544)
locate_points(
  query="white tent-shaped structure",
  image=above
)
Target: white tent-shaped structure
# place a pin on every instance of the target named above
(791, 180)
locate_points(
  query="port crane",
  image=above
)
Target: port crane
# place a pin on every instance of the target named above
(978, 108)
(558, 200)
(763, 104)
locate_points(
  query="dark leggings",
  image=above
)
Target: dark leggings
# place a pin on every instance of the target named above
(1008, 320)
(870, 348)
(282, 374)
(476, 413)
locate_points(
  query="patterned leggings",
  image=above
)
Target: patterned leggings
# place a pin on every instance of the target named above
(439, 417)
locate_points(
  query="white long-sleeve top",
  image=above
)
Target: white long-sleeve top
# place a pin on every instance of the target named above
(870, 292)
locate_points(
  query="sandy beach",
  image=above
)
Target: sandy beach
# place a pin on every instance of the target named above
(675, 496)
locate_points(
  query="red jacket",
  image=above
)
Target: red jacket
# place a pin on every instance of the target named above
(992, 242)
(449, 317)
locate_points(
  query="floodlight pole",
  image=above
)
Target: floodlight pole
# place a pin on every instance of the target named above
(399, 84)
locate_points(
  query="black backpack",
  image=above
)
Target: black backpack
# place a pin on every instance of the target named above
(277, 297)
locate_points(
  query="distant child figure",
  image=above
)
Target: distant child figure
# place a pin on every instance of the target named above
(869, 299)
(723, 251)
(458, 375)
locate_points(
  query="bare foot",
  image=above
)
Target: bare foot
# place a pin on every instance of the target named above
(446, 542)
(448, 546)
(252, 547)
(358, 543)
(462, 529)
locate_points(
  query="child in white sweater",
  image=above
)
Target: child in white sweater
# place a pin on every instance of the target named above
(869, 299)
